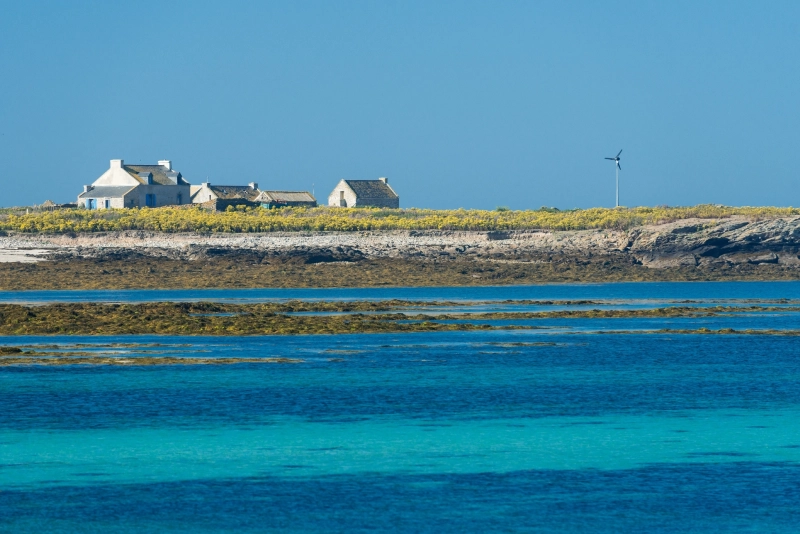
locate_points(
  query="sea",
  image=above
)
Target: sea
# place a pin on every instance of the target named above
(577, 425)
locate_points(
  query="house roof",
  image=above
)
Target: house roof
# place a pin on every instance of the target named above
(107, 191)
(371, 189)
(161, 174)
(230, 192)
(286, 196)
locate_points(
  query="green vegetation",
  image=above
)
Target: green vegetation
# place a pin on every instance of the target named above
(194, 219)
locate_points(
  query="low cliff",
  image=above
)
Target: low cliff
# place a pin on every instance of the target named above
(689, 242)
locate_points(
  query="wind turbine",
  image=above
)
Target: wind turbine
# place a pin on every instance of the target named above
(615, 159)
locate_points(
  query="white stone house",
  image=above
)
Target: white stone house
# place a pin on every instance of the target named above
(132, 186)
(364, 193)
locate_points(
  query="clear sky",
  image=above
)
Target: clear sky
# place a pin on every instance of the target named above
(460, 104)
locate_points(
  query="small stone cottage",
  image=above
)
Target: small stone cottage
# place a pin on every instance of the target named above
(364, 193)
(132, 186)
(219, 197)
(279, 199)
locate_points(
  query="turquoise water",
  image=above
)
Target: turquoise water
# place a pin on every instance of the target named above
(549, 430)
(628, 290)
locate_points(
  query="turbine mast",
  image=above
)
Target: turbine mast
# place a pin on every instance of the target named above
(615, 159)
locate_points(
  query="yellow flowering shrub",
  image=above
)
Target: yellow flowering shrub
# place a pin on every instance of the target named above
(194, 219)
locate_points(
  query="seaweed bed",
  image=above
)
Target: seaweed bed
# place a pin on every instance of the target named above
(203, 318)
(241, 272)
(29, 358)
(219, 319)
(140, 354)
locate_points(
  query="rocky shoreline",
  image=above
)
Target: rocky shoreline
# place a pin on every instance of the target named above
(690, 242)
(689, 249)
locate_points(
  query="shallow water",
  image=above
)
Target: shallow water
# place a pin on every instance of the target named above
(624, 291)
(547, 430)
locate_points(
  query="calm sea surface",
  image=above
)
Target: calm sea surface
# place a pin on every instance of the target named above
(569, 428)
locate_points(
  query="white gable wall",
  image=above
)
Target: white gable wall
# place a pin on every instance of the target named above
(342, 196)
(203, 194)
(116, 175)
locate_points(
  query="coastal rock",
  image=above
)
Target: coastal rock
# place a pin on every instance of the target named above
(685, 243)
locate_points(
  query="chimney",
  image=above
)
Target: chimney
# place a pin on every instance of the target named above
(384, 179)
(253, 185)
(87, 188)
(166, 163)
(117, 163)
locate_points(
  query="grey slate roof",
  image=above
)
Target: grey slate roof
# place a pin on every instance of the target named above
(286, 196)
(230, 192)
(161, 175)
(107, 191)
(371, 189)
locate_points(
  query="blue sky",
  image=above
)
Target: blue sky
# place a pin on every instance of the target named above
(461, 104)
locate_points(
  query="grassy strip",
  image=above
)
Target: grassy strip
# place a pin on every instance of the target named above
(194, 219)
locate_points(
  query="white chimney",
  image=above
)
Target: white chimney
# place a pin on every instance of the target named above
(87, 188)
(166, 163)
(117, 163)
(253, 185)
(384, 179)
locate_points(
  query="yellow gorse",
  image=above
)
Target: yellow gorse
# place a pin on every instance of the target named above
(194, 219)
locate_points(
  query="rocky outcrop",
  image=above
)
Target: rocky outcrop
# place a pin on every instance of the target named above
(691, 242)
(732, 241)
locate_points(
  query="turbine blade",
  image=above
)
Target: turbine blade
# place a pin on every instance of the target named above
(620, 152)
(619, 166)
(612, 159)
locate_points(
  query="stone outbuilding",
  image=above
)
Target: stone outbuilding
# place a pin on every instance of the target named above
(219, 197)
(206, 191)
(132, 186)
(279, 199)
(364, 193)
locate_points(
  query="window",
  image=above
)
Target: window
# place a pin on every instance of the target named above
(106, 203)
(150, 200)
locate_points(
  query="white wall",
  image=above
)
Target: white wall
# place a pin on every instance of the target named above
(116, 175)
(334, 199)
(204, 194)
(166, 195)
